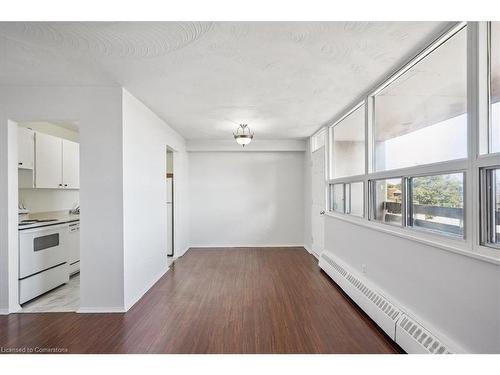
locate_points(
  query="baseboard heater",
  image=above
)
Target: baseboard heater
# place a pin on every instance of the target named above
(399, 325)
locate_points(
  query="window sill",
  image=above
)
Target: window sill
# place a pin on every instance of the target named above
(457, 246)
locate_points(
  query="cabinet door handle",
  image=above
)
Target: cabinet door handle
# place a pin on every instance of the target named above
(60, 185)
(19, 163)
(65, 185)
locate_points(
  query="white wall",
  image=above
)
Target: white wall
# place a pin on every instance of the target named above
(53, 129)
(456, 295)
(182, 202)
(47, 200)
(122, 169)
(258, 145)
(99, 112)
(8, 210)
(246, 198)
(145, 140)
(170, 162)
(308, 198)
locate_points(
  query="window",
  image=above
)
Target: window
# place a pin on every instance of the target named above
(436, 203)
(386, 200)
(337, 191)
(355, 199)
(405, 148)
(490, 206)
(420, 117)
(347, 198)
(494, 132)
(348, 145)
(490, 173)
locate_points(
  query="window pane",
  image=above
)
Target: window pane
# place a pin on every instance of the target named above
(437, 203)
(337, 197)
(421, 117)
(356, 198)
(349, 145)
(495, 87)
(386, 201)
(496, 206)
(491, 206)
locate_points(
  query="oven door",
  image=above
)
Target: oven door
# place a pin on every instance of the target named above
(41, 249)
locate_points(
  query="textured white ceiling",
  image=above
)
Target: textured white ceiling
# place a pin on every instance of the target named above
(285, 79)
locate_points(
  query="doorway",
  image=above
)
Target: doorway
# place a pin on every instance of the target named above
(170, 206)
(48, 216)
(318, 194)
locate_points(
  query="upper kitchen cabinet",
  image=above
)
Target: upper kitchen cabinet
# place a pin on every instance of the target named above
(25, 148)
(57, 162)
(70, 164)
(48, 161)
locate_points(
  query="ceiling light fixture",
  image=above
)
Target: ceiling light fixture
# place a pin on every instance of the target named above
(243, 135)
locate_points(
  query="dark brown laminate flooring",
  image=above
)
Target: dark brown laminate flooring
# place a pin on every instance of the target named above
(227, 300)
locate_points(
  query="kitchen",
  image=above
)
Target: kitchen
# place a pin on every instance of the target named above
(49, 216)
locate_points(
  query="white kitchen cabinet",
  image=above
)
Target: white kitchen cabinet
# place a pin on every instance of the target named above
(70, 164)
(57, 162)
(74, 247)
(25, 148)
(48, 161)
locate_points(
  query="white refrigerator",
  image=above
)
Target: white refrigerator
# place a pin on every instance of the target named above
(170, 216)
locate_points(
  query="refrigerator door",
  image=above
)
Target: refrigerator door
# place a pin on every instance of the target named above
(170, 232)
(170, 189)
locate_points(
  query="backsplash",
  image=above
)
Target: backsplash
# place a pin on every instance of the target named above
(44, 200)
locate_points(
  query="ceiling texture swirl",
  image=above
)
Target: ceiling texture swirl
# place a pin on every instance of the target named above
(285, 79)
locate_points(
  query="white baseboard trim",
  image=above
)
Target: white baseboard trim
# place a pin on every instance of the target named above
(241, 246)
(139, 295)
(309, 250)
(181, 254)
(10, 311)
(100, 310)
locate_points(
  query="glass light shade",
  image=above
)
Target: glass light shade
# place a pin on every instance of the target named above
(243, 139)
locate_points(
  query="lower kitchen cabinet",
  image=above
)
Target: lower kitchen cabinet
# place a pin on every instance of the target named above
(74, 247)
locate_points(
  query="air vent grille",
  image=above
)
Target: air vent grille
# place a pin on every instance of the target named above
(430, 343)
(335, 265)
(376, 298)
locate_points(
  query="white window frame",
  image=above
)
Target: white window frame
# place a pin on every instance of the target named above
(486, 159)
(371, 202)
(408, 210)
(331, 140)
(346, 198)
(478, 105)
(487, 210)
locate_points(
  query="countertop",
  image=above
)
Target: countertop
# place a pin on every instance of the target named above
(57, 217)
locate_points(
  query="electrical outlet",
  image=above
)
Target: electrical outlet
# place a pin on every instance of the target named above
(363, 268)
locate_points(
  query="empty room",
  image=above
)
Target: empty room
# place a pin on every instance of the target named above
(249, 186)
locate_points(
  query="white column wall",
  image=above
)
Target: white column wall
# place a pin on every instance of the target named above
(145, 140)
(99, 113)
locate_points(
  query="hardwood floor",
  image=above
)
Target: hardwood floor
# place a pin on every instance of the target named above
(241, 300)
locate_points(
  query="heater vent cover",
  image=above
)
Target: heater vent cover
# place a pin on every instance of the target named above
(335, 265)
(405, 331)
(428, 342)
(383, 304)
